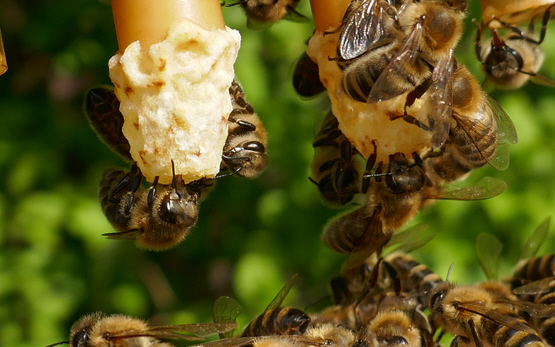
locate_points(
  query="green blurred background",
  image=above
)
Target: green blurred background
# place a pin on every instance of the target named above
(253, 235)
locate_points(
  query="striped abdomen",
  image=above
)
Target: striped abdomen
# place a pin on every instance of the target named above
(279, 321)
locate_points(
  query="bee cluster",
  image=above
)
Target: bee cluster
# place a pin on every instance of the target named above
(393, 59)
(161, 216)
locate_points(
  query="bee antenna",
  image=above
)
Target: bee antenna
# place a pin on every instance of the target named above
(174, 179)
(58, 343)
(449, 273)
(229, 173)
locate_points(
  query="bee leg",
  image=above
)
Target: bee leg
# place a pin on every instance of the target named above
(246, 126)
(411, 120)
(229, 173)
(478, 41)
(368, 169)
(230, 5)
(477, 340)
(132, 179)
(152, 192)
(394, 276)
(325, 141)
(457, 339)
(546, 18)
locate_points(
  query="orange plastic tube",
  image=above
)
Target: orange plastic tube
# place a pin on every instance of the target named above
(148, 21)
(3, 61)
(328, 13)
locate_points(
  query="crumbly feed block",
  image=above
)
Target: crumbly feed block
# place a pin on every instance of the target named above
(175, 100)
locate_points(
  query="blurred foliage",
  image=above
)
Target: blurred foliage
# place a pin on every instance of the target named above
(253, 235)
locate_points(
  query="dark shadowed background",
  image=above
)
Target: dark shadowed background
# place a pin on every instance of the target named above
(253, 235)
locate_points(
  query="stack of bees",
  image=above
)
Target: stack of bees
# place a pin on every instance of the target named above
(407, 120)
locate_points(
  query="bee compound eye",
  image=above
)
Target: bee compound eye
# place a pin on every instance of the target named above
(255, 146)
(397, 341)
(437, 298)
(80, 339)
(167, 210)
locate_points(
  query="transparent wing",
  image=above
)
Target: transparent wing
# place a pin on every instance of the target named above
(278, 300)
(542, 80)
(124, 235)
(498, 316)
(226, 310)
(411, 238)
(177, 331)
(257, 26)
(488, 249)
(536, 239)
(535, 287)
(406, 56)
(361, 28)
(506, 135)
(372, 240)
(231, 342)
(487, 187)
(295, 16)
(441, 96)
(534, 309)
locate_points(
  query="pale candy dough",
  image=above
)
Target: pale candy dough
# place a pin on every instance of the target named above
(361, 122)
(175, 100)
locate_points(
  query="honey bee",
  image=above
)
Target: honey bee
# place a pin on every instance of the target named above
(532, 268)
(306, 78)
(99, 330)
(511, 61)
(415, 278)
(399, 324)
(158, 218)
(244, 152)
(432, 29)
(474, 316)
(102, 110)
(334, 168)
(263, 13)
(480, 132)
(278, 320)
(539, 275)
(391, 203)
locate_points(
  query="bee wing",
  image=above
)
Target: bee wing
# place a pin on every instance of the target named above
(177, 331)
(534, 309)
(124, 235)
(536, 239)
(441, 97)
(278, 300)
(506, 134)
(542, 80)
(488, 249)
(276, 341)
(373, 238)
(362, 28)
(406, 56)
(487, 187)
(295, 16)
(257, 26)
(504, 317)
(230, 342)
(535, 287)
(102, 110)
(226, 310)
(411, 238)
